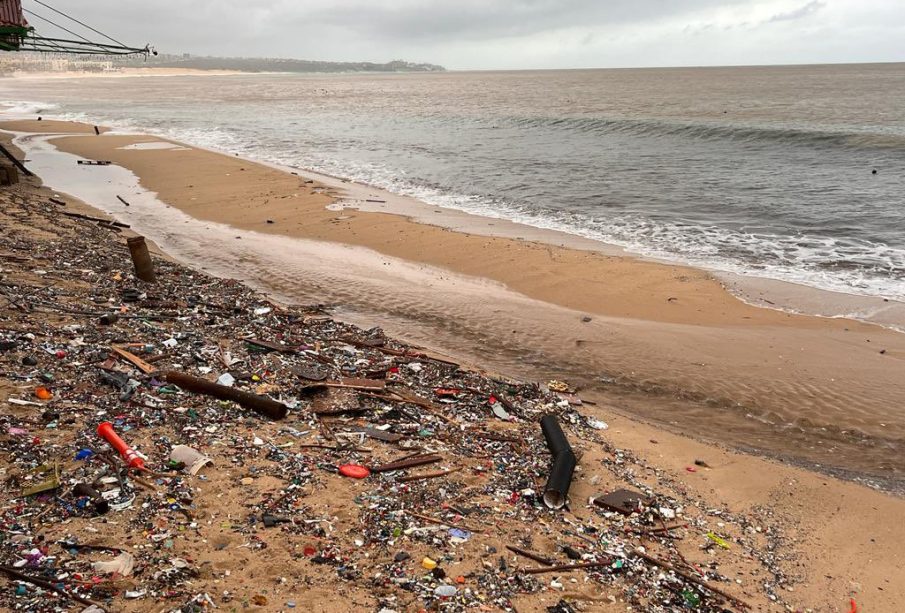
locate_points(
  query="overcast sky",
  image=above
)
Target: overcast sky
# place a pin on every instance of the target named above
(497, 34)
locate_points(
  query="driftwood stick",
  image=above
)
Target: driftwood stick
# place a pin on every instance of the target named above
(422, 477)
(566, 567)
(335, 448)
(47, 585)
(530, 555)
(16, 161)
(109, 222)
(419, 460)
(704, 584)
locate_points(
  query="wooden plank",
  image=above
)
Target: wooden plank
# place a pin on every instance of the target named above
(134, 360)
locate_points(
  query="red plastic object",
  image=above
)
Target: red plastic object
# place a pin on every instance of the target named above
(854, 606)
(354, 471)
(129, 455)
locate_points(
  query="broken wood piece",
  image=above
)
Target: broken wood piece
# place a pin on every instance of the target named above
(688, 577)
(16, 161)
(375, 385)
(94, 162)
(272, 346)
(380, 435)
(419, 460)
(531, 556)
(424, 404)
(133, 359)
(260, 404)
(14, 258)
(109, 222)
(340, 411)
(141, 259)
(400, 353)
(47, 585)
(565, 567)
(335, 447)
(425, 476)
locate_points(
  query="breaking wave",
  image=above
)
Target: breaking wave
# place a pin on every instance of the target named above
(710, 131)
(15, 108)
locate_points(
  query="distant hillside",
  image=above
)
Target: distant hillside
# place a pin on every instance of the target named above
(247, 64)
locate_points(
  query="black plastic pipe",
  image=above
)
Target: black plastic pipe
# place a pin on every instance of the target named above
(557, 489)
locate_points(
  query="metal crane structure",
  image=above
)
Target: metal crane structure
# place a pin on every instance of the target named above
(17, 35)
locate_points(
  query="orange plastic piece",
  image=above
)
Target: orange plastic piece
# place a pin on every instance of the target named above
(129, 455)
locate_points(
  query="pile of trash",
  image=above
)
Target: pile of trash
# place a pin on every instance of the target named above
(187, 444)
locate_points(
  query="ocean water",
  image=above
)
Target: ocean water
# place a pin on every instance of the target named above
(765, 171)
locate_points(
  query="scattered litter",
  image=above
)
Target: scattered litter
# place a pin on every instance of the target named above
(193, 459)
(121, 564)
(277, 436)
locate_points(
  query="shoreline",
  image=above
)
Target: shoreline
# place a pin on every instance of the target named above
(699, 354)
(124, 73)
(766, 292)
(787, 297)
(826, 540)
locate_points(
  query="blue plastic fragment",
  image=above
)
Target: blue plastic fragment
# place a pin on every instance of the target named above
(84, 454)
(459, 533)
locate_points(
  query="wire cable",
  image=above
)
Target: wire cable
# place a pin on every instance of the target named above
(85, 25)
(33, 14)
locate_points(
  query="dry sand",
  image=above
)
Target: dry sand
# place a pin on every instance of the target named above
(845, 540)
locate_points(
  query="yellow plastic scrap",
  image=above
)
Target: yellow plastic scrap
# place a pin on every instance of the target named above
(428, 564)
(558, 386)
(719, 541)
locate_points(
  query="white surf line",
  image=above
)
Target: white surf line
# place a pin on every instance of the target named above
(222, 249)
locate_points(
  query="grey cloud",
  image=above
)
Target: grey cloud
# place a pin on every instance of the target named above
(502, 33)
(272, 23)
(803, 11)
(477, 20)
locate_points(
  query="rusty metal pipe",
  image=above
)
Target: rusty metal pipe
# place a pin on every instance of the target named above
(260, 404)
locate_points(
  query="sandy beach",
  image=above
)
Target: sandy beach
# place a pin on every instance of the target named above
(643, 340)
(753, 377)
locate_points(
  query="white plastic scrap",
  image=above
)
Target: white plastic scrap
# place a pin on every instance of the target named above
(598, 424)
(226, 379)
(122, 564)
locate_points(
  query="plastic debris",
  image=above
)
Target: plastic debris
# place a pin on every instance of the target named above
(193, 459)
(121, 564)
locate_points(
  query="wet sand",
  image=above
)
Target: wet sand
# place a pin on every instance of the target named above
(843, 540)
(664, 342)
